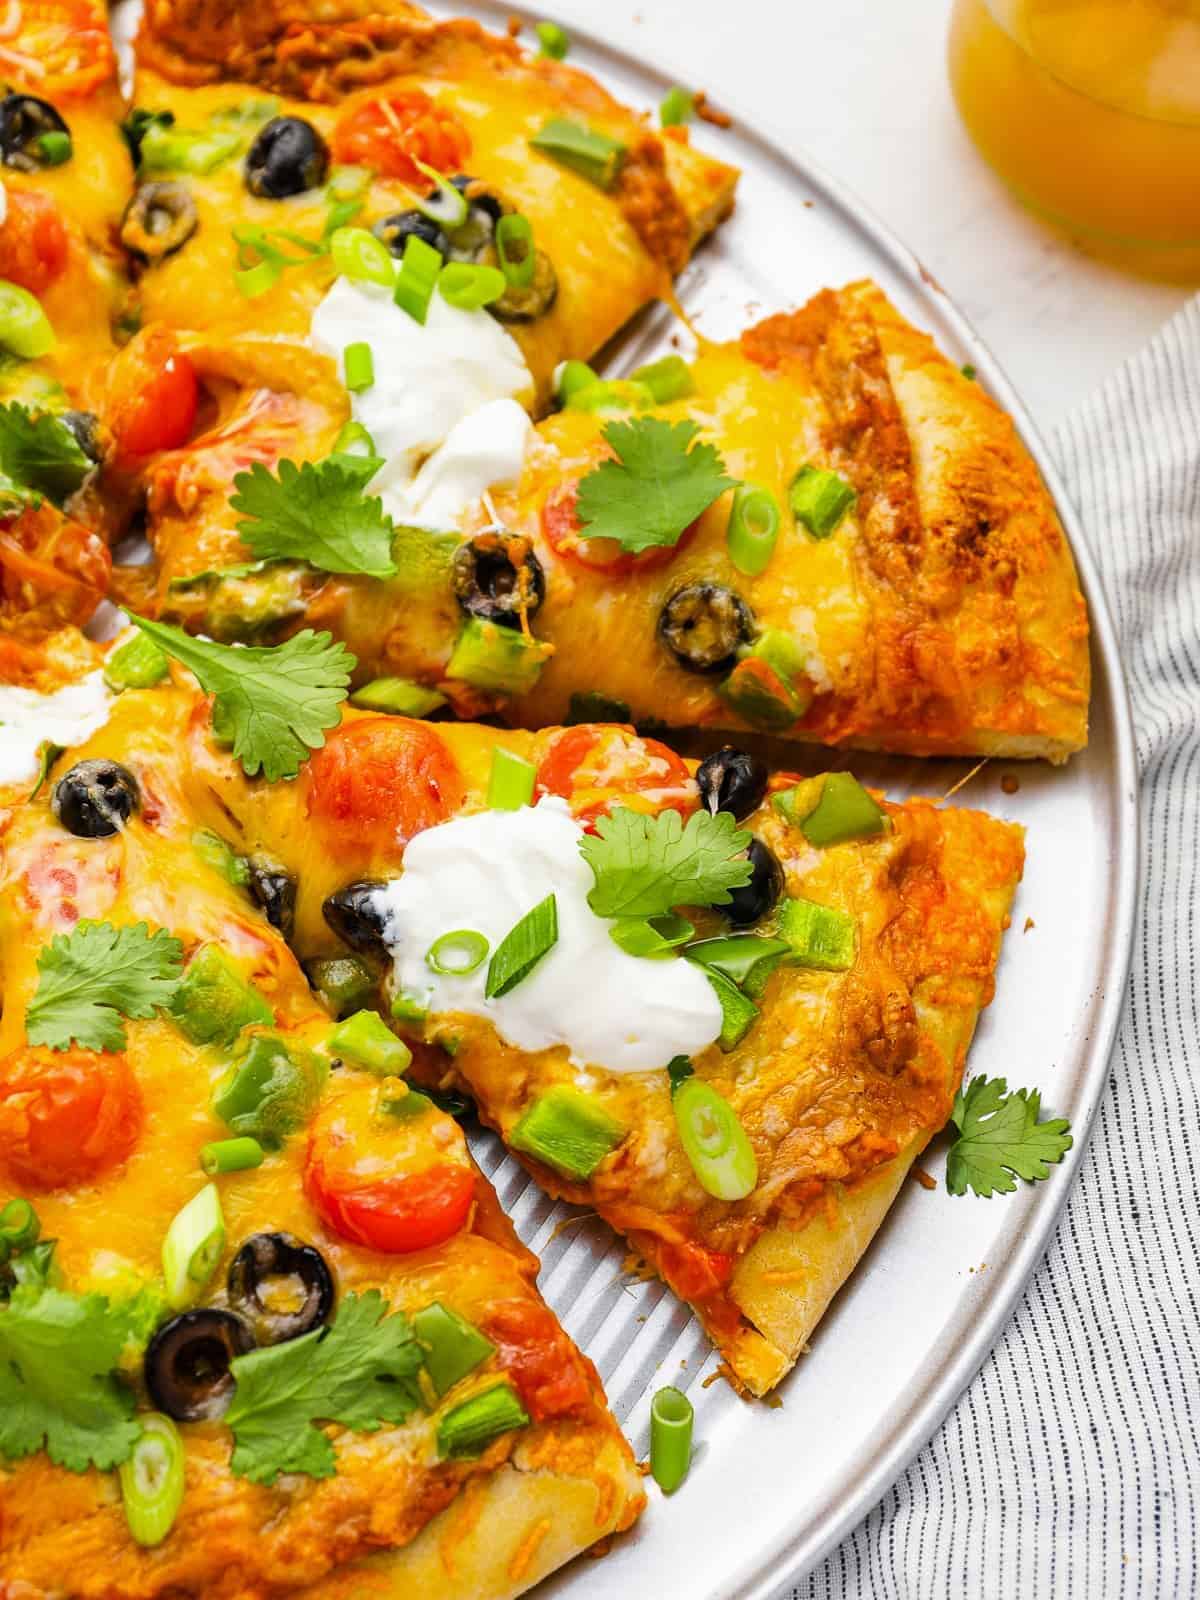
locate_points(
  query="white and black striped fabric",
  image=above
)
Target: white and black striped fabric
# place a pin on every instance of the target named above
(1071, 1466)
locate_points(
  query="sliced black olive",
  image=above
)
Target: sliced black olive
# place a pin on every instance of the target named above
(473, 236)
(280, 1286)
(395, 231)
(702, 626)
(287, 157)
(24, 122)
(497, 577)
(95, 798)
(159, 219)
(274, 891)
(758, 896)
(84, 428)
(355, 916)
(188, 1360)
(478, 196)
(523, 305)
(732, 780)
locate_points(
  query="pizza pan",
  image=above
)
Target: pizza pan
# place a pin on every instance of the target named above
(775, 1486)
(772, 1490)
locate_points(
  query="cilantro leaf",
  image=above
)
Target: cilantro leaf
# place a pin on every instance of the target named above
(646, 866)
(659, 483)
(94, 976)
(272, 703)
(361, 1372)
(317, 514)
(39, 455)
(57, 1390)
(999, 1136)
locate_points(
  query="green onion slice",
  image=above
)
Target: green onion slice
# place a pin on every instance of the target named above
(667, 379)
(354, 440)
(469, 1428)
(366, 1039)
(514, 248)
(19, 1226)
(470, 287)
(456, 954)
(650, 937)
(679, 1070)
(715, 1141)
(553, 41)
(447, 205)
(136, 664)
(820, 500)
(511, 781)
(255, 281)
(676, 107)
(231, 1155)
(570, 378)
(24, 327)
(360, 366)
(361, 257)
(417, 278)
(671, 1418)
(152, 1480)
(522, 947)
(753, 528)
(192, 1247)
(567, 1130)
(453, 1346)
(595, 156)
(611, 397)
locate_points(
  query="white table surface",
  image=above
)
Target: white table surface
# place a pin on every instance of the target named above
(860, 85)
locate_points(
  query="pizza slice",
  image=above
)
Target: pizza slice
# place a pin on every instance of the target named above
(266, 132)
(724, 1010)
(263, 1328)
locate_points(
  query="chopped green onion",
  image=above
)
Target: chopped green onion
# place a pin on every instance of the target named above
(738, 956)
(354, 440)
(470, 287)
(19, 1226)
(819, 936)
(676, 107)
(399, 696)
(553, 41)
(714, 1141)
(214, 852)
(671, 1417)
(344, 983)
(570, 377)
(831, 810)
(358, 255)
(522, 947)
(650, 937)
(513, 239)
(448, 206)
(184, 150)
(589, 706)
(453, 1346)
(753, 528)
(255, 281)
(417, 278)
(24, 327)
(360, 366)
(136, 664)
(192, 1247)
(668, 379)
(213, 1002)
(366, 1039)
(456, 954)
(820, 500)
(679, 1070)
(611, 397)
(408, 1008)
(737, 1013)
(55, 147)
(153, 1480)
(511, 781)
(567, 1130)
(469, 1428)
(594, 155)
(270, 1090)
(231, 1155)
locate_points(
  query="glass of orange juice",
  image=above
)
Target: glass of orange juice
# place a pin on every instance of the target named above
(1090, 110)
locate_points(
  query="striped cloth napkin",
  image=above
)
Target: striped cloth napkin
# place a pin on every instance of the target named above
(1071, 1466)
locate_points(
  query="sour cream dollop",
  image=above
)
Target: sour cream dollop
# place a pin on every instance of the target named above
(484, 451)
(484, 872)
(29, 719)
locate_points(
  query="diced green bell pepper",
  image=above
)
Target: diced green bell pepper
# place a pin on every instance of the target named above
(214, 1002)
(344, 982)
(737, 1012)
(498, 660)
(399, 696)
(366, 1039)
(568, 1130)
(831, 809)
(270, 1091)
(738, 956)
(453, 1346)
(768, 686)
(818, 936)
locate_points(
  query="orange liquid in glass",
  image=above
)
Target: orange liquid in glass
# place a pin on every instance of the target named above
(1090, 110)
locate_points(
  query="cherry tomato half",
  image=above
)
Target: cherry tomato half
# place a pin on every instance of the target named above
(597, 768)
(154, 396)
(33, 241)
(391, 133)
(564, 534)
(377, 781)
(66, 1116)
(70, 42)
(390, 1183)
